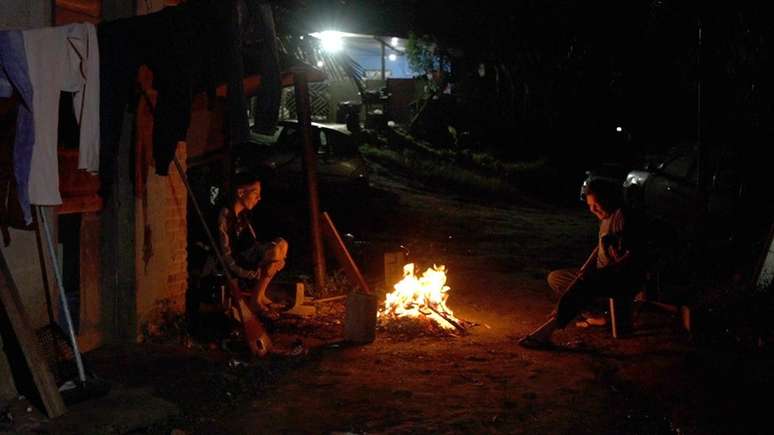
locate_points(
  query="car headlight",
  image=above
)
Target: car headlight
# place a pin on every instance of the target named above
(584, 190)
(635, 178)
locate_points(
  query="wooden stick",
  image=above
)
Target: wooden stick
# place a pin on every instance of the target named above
(342, 254)
(330, 299)
(451, 322)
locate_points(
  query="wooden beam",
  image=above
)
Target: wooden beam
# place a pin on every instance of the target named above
(80, 204)
(28, 342)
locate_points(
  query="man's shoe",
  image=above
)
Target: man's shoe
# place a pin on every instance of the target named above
(530, 342)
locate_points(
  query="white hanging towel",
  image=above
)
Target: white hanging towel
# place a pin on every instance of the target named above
(64, 58)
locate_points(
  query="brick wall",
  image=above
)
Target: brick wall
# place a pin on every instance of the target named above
(161, 248)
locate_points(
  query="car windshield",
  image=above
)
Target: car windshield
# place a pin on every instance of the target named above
(290, 138)
(340, 144)
(327, 141)
(681, 166)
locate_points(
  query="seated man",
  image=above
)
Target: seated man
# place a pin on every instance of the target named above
(253, 263)
(615, 268)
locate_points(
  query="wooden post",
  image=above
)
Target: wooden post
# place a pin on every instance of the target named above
(28, 342)
(301, 85)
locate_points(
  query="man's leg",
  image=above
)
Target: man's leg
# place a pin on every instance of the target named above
(273, 261)
(560, 279)
(569, 307)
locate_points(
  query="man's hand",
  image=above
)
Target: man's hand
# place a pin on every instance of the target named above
(618, 256)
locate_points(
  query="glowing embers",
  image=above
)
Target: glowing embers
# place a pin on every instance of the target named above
(420, 298)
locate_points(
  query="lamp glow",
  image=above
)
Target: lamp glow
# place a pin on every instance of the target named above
(331, 41)
(392, 57)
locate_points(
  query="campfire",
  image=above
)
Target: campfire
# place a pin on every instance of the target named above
(421, 298)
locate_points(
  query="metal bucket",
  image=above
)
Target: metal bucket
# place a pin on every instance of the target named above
(360, 319)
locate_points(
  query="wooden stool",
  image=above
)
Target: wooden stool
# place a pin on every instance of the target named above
(613, 319)
(651, 285)
(616, 316)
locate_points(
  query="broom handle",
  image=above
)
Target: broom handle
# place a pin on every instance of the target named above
(583, 268)
(587, 264)
(62, 297)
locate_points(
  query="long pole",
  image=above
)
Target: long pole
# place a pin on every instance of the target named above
(703, 170)
(301, 85)
(62, 297)
(384, 68)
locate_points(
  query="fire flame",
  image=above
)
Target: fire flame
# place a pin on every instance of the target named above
(415, 297)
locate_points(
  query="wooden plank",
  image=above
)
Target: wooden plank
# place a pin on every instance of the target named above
(22, 328)
(250, 84)
(80, 204)
(342, 254)
(90, 295)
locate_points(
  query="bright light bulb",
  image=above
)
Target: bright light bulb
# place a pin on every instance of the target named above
(392, 56)
(320, 64)
(331, 41)
(394, 41)
(619, 129)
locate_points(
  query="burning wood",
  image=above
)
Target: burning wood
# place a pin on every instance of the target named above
(422, 298)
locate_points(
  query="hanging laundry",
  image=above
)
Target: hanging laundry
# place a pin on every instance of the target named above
(261, 53)
(14, 76)
(164, 41)
(191, 47)
(64, 58)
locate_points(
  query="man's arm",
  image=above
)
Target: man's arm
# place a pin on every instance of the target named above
(622, 244)
(226, 249)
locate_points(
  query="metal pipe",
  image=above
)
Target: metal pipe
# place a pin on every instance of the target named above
(384, 72)
(702, 152)
(62, 297)
(301, 85)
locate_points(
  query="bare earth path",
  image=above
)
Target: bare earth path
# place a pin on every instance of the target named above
(497, 257)
(483, 382)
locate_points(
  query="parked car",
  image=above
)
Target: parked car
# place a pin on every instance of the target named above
(612, 173)
(279, 157)
(667, 189)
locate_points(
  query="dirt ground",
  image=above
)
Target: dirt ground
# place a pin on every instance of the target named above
(497, 255)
